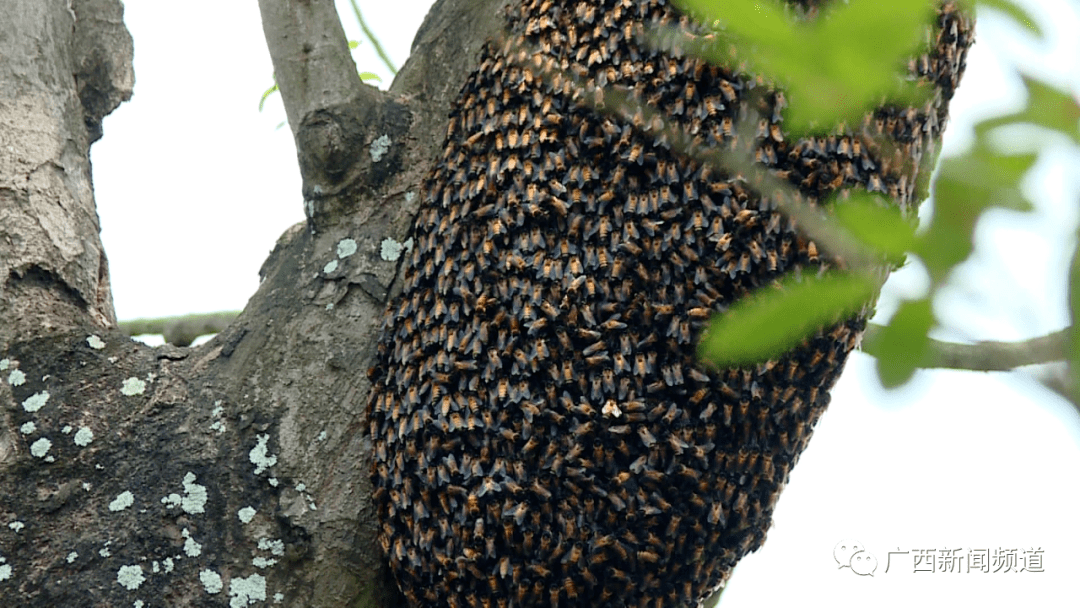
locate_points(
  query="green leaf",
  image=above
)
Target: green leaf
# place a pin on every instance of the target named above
(1052, 108)
(903, 344)
(353, 44)
(1047, 107)
(876, 224)
(989, 176)
(831, 66)
(1018, 14)
(366, 76)
(771, 321)
(966, 186)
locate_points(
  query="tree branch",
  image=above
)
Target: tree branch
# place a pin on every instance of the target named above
(312, 63)
(985, 356)
(373, 39)
(182, 330)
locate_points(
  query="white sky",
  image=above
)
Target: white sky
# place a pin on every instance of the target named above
(194, 186)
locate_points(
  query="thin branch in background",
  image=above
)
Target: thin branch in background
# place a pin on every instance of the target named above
(813, 221)
(988, 356)
(371, 37)
(183, 330)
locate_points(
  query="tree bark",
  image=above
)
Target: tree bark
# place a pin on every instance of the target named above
(244, 459)
(60, 76)
(238, 470)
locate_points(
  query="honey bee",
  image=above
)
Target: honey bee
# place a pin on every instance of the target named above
(646, 437)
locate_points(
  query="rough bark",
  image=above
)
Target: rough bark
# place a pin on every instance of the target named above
(237, 470)
(60, 76)
(284, 385)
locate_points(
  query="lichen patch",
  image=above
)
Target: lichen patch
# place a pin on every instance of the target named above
(122, 501)
(130, 577)
(260, 455)
(36, 401)
(133, 386)
(379, 147)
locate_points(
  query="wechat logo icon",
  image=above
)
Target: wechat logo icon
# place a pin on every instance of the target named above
(852, 554)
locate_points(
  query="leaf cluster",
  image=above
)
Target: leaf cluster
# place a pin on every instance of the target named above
(834, 68)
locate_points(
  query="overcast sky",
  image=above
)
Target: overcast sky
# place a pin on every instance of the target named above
(194, 186)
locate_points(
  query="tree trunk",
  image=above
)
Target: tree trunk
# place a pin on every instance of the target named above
(238, 470)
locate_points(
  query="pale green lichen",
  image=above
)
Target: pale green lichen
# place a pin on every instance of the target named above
(5, 572)
(27, 428)
(246, 591)
(379, 147)
(246, 514)
(191, 548)
(217, 425)
(95, 342)
(346, 247)
(331, 266)
(71, 557)
(278, 597)
(260, 456)
(4, 364)
(195, 496)
(133, 386)
(130, 577)
(67, 429)
(409, 196)
(277, 547)
(16, 526)
(40, 447)
(391, 250)
(16, 377)
(300, 487)
(168, 563)
(211, 581)
(104, 551)
(321, 437)
(263, 562)
(36, 401)
(122, 501)
(172, 500)
(84, 436)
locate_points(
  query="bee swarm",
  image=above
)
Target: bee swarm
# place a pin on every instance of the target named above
(543, 433)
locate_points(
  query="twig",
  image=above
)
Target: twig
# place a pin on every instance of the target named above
(180, 331)
(371, 37)
(813, 221)
(986, 356)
